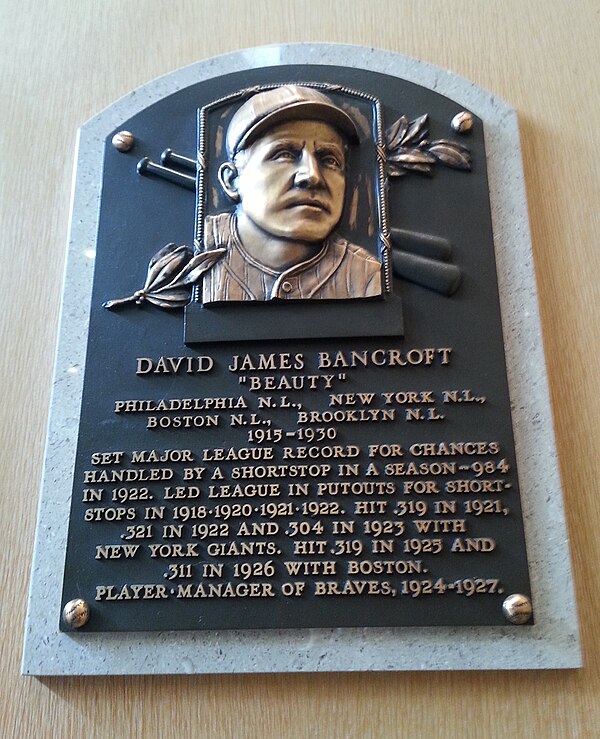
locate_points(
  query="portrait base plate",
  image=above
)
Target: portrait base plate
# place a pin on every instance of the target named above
(297, 320)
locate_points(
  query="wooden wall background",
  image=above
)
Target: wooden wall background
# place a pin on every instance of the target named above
(64, 60)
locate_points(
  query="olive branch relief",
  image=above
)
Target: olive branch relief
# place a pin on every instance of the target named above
(409, 150)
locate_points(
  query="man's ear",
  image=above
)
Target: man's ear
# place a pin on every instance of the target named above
(227, 174)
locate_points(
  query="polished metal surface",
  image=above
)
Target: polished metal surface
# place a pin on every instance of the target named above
(517, 609)
(123, 141)
(462, 122)
(76, 613)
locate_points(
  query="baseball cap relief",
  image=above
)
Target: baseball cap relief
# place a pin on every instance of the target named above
(288, 102)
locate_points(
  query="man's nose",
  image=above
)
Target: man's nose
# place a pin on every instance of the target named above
(308, 175)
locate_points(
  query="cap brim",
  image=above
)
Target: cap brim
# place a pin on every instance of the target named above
(302, 110)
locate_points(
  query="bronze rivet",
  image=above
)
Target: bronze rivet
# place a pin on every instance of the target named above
(517, 608)
(462, 122)
(123, 141)
(76, 613)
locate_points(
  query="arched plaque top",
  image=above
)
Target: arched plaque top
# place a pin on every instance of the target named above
(477, 99)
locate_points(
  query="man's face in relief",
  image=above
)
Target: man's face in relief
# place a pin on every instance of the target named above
(291, 182)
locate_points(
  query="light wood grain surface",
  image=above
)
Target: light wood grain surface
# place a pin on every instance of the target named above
(62, 61)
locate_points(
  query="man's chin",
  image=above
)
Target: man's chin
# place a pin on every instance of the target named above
(308, 239)
(308, 234)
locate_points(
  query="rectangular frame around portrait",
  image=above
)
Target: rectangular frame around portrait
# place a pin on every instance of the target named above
(296, 319)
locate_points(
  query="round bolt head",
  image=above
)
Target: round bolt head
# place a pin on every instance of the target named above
(123, 141)
(76, 613)
(517, 608)
(462, 122)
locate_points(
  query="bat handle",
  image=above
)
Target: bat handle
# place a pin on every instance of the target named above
(172, 157)
(146, 167)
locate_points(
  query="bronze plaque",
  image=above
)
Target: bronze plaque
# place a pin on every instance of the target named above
(295, 408)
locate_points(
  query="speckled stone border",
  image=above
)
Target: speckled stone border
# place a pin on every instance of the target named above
(553, 642)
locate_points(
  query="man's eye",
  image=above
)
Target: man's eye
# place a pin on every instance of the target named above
(285, 155)
(331, 161)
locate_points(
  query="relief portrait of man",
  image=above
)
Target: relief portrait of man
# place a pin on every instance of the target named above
(286, 173)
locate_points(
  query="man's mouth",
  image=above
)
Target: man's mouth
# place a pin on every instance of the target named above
(310, 203)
